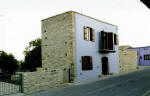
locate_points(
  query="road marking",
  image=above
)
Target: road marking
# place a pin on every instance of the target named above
(145, 94)
(88, 93)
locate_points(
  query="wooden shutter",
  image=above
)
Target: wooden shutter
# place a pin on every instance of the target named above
(117, 39)
(91, 63)
(110, 41)
(87, 63)
(102, 40)
(83, 63)
(93, 35)
(85, 33)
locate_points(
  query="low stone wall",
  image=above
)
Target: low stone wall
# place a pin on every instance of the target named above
(127, 59)
(38, 81)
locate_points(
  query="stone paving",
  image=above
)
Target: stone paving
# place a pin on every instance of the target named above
(8, 88)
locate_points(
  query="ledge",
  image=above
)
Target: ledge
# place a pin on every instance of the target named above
(106, 51)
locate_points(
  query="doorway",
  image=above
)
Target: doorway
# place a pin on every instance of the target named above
(66, 75)
(105, 66)
(140, 60)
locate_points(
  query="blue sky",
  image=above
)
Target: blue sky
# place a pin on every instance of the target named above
(20, 20)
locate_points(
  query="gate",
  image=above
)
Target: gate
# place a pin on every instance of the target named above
(10, 84)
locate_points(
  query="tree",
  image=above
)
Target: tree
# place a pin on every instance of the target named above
(8, 63)
(32, 55)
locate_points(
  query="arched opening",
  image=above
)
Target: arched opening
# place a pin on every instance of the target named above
(105, 66)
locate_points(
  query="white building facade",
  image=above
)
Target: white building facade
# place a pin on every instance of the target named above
(93, 48)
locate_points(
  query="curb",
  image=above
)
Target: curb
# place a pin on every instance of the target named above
(105, 77)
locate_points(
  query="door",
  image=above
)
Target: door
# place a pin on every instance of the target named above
(105, 66)
(66, 75)
(140, 60)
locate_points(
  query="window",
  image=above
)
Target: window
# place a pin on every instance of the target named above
(147, 57)
(89, 34)
(104, 42)
(107, 40)
(87, 63)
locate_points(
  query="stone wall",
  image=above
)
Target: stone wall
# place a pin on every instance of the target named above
(127, 59)
(58, 55)
(58, 44)
(38, 81)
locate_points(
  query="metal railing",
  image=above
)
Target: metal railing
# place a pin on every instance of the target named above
(10, 84)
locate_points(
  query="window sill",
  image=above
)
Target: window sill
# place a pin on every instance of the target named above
(88, 70)
(90, 40)
(106, 51)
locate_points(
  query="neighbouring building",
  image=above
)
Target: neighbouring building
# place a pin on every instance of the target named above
(127, 58)
(144, 52)
(143, 55)
(81, 46)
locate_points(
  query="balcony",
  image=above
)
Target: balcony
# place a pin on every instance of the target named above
(107, 42)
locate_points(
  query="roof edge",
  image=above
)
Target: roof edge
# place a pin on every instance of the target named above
(80, 14)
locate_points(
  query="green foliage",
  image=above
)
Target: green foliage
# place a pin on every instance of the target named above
(111, 73)
(101, 76)
(8, 63)
(32, 55)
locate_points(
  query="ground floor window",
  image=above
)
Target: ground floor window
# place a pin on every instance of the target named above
(147, 57)
(87, 63)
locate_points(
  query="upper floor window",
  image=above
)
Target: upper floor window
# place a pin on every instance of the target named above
(87, 63)
(89, 34)
(108, 39)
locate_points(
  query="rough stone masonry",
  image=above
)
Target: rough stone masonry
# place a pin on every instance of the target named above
(127, 59)
(58, 55)
(58, 44)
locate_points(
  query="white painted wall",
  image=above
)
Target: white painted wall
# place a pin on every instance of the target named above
(88, 48)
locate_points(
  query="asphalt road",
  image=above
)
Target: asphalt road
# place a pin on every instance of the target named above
(132, 84)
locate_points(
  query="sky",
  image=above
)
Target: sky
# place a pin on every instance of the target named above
(20, 20)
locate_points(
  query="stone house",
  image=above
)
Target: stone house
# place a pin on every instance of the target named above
(81, 46)
(127, 58)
